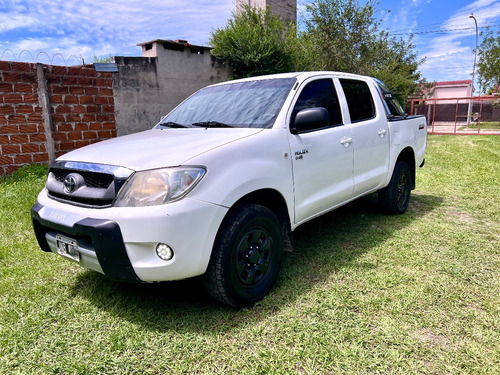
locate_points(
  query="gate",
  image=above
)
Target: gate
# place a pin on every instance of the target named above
(474, 115)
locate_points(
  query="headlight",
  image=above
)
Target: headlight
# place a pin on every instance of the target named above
(158, 186)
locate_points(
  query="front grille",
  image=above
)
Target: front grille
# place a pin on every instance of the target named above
(94, 180)
(85, 184)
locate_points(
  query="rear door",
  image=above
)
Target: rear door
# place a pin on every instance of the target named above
(322, 159)
(370, 135)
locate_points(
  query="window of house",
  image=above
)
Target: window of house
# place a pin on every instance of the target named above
(359, 99)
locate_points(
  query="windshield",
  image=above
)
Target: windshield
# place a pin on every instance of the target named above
(250, 104)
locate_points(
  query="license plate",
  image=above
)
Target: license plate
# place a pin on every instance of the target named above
(67, 247)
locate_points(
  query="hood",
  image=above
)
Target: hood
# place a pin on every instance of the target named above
(156, 148)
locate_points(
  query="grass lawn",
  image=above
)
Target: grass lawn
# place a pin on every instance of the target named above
(495, 125)
(490, 125)
(362, 293)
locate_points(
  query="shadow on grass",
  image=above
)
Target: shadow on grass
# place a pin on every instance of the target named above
(324, 245)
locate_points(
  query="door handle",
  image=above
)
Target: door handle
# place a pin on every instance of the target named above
(382, 132)
(346, 141)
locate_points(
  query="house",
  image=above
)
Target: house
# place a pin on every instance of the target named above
(447, 102)
(452, 89)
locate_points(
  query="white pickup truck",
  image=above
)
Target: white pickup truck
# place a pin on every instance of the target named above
(217, 187)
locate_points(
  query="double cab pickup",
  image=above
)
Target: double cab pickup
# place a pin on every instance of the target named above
(217, 187)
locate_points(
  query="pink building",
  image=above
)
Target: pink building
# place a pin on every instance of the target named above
(452, 89)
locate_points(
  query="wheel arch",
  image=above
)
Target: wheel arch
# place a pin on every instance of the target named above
(408, 156)
(274, 201)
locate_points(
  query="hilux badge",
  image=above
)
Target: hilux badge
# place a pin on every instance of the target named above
(69, 183)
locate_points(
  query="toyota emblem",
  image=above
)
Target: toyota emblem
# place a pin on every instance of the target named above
(70, 183)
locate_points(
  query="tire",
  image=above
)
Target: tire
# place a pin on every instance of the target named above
(395, 197)
(246, 257)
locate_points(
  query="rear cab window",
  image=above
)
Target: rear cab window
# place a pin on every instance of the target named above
(359, 99)
(392, 105)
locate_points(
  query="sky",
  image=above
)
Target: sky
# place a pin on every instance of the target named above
(67, 32)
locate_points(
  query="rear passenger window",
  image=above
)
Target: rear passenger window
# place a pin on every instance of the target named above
(359, 99)
(320, 93)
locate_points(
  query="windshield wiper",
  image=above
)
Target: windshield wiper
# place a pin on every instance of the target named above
(211, 124)
(174, 125)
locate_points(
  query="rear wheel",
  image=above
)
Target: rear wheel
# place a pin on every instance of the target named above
(246, 256)
(395, 197)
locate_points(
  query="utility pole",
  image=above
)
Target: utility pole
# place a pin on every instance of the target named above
(469, 112)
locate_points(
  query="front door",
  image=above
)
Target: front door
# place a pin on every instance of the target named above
(322, 158)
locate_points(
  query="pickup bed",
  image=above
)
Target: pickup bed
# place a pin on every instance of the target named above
(218, 186)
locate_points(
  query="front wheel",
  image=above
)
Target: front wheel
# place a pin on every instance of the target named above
(246, 256)
(395, 197)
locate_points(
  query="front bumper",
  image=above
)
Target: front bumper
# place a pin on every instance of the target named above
(99, 241)
(121, 242)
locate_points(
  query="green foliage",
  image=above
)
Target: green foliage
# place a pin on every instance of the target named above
(397, 66)
(345, 36)
(103, 59)
(342, 34)
(338, 35)
(255, 42)
(489, 61)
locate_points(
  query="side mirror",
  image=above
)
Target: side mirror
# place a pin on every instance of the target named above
(310, 119)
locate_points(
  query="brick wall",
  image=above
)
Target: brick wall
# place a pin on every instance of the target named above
(81, 108)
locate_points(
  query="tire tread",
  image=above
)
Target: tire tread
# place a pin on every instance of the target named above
(214, 278)
(388, 195)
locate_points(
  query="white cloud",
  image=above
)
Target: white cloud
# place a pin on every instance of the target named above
(451, 56)
(447, 59)
(96, 27)
(402, 17)
(85, 28)
(33, 44)
(9, 21)
(484, 11)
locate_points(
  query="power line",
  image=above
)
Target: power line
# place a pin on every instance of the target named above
(460, 24)
(438, 31)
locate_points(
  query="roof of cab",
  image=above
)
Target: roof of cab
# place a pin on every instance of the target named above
(298, 75)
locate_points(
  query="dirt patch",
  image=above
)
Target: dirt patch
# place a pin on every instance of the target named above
(461, 216)
(429, 337)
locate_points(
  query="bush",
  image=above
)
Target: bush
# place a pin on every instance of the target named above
(255, 42)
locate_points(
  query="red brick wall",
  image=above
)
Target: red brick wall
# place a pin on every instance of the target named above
(82, 111)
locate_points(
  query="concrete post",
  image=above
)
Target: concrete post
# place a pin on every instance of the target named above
(43, 100)
(285, 9)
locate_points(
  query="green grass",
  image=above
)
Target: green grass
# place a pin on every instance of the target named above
(491, 125)
(362, 293)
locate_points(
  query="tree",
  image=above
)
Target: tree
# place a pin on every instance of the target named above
(338, 35)
(344, 36)
(256, 42)
(396, 64)
(103, 59)
(489, 61)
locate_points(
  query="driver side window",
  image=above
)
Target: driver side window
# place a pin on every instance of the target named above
(320, 93)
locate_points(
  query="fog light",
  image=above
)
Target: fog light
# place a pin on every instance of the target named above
(164, 251)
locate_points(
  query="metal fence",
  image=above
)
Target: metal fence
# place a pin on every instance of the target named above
(474, 115)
